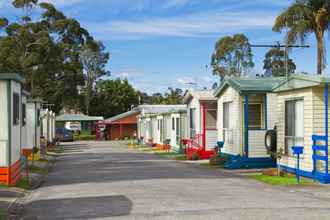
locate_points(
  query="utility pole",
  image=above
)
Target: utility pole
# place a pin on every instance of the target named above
(286, 47)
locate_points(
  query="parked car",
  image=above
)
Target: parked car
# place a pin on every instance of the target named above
(64, 135)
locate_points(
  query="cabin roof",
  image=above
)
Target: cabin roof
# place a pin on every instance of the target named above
(299, 81)
(78, 117)
(12, 76)
(241, 84)
(122, 115)
(203, 95)
(156, 109)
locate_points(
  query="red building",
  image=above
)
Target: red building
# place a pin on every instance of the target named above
(121, 126)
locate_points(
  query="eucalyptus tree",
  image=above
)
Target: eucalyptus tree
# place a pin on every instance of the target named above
(274, 63)
(232, 56)
(306, 17)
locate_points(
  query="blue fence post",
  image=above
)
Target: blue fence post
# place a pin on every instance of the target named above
(326, 97)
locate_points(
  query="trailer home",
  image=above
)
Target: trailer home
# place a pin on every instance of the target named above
(10, 127)
(246, 110)
(201, 123)
(303, 120)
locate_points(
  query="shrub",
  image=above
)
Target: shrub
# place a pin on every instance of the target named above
(195, 156)
(84, 137)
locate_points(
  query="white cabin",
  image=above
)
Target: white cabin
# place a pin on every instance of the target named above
(246, 110)
(10, 127)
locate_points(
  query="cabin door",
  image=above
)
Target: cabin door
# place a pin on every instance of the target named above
(210, 125)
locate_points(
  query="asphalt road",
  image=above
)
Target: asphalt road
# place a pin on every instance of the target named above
(105, 180)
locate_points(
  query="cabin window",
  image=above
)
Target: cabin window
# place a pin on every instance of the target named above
(173, 124)
(227, 108)
(211, 116)
(227, 123)
(38, 117)
(255, 116)
(294, 124)
(23, 114)
(16, 111)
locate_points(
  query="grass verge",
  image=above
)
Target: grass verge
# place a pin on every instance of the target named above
(281, 181)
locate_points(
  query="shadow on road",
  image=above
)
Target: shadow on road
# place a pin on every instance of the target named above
(79, 208)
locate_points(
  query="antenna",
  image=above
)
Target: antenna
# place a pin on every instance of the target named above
(286, 51)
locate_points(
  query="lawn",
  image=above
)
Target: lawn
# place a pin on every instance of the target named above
(23, 184)
(161, 153)
(279, 180)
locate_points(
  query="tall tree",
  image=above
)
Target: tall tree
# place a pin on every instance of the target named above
(112, 97)
(274, 63)
(232, 56)
(94, 59)
(305, 17)
(173, 96)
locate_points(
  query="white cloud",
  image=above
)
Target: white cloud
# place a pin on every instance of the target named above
(127, 73)
(191, 25)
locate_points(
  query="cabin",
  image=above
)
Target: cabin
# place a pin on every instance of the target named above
(303, 121)
(33, 111)
(10, 127)
(150, 123)
(120, 126)
(246, 110)
(169, 130)
(202, 123)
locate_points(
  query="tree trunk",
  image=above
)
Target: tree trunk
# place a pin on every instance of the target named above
(320, 52)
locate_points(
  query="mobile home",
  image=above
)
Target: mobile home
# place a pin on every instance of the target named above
(202, 121)
(246, 110)
(10, 127)
(303, 120)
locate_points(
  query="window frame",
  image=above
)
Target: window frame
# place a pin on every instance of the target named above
(287, 151)
(23, 114)
(16, 109)
(262, 116)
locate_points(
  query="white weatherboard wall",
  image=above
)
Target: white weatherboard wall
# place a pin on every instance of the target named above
(234, 146)
(3, 124)
(314, 122)
(154, 129)
(310, 125)
(16, 129)
(194, 104)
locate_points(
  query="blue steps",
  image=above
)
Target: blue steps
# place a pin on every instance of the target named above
(239, 162)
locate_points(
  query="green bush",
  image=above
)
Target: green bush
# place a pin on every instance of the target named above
(84, 137)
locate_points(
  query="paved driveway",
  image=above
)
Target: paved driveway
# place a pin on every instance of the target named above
(105, 180)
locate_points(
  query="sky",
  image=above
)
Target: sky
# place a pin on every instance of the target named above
(157, 44)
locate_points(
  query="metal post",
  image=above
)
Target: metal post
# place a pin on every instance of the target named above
(246, 126)
(298, 168)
